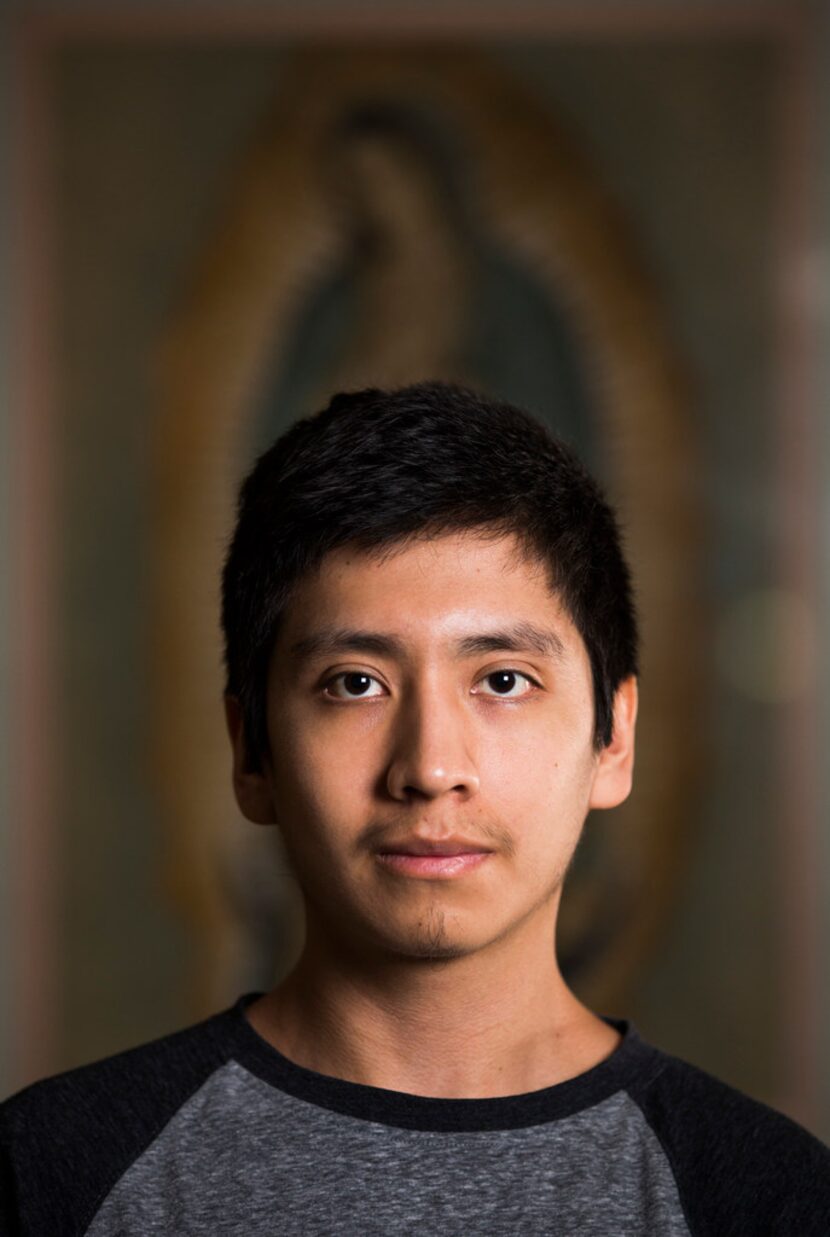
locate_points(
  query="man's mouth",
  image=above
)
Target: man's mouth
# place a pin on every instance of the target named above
(427, 857)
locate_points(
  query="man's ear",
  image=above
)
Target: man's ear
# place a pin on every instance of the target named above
(250, 785)
(615, 767)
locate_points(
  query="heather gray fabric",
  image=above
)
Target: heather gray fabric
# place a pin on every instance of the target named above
(211, 1131)
(241, 1158)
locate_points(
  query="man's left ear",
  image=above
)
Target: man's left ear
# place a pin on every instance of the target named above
(615, 766)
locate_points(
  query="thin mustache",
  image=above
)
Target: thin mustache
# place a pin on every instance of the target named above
(393, 836)
(413, 845)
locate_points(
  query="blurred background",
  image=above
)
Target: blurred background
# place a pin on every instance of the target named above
(213, 217)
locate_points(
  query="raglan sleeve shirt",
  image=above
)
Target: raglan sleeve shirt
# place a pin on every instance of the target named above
(212, 1131)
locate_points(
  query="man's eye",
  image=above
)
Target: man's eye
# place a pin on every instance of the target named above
(354, 685)
(505, 683)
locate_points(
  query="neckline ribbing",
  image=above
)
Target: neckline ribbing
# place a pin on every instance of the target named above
(626, 1065)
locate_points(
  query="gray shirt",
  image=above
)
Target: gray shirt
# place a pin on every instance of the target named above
(212, 1131)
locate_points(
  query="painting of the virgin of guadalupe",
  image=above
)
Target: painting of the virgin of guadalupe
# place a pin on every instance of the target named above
(405, 215)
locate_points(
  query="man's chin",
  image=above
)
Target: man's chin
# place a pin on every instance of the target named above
(433, 938)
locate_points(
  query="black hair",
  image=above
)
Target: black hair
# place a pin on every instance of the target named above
(377, 468)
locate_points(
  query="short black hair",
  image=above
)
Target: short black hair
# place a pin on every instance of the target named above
(377, 468)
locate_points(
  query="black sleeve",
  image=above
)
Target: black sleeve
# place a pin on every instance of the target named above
(9, 1226)
(66, 1141)
(741, 1168)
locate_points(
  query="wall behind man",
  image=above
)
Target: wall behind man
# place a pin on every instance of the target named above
(147, 140)
(6, 404)
(818, 290)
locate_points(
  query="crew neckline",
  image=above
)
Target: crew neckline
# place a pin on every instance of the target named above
(627, 1064)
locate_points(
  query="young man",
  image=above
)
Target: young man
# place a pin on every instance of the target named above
(431, 660)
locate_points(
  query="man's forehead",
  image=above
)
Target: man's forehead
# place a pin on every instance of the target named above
(482, 552)
(465, 592)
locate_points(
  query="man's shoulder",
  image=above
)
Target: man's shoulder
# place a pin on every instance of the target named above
(741, 1166)
(127, 1078)
(699, 1107)
(65, 1139)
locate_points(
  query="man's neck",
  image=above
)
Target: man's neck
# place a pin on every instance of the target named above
(500, 1021)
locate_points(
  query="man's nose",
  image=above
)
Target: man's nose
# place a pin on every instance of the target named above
(433, 751)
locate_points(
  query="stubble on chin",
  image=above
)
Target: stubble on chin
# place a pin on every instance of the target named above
(431, 938)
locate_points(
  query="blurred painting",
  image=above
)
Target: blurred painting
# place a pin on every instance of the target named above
(402, 216)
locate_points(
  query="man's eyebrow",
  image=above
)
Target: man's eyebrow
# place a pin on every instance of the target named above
(520, 637)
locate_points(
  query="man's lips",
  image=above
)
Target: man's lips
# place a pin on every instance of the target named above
(430, 857)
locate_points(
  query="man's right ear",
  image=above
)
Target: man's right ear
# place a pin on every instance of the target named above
(250, 785)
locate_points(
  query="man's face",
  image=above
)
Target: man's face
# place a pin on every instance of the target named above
(431, 771)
